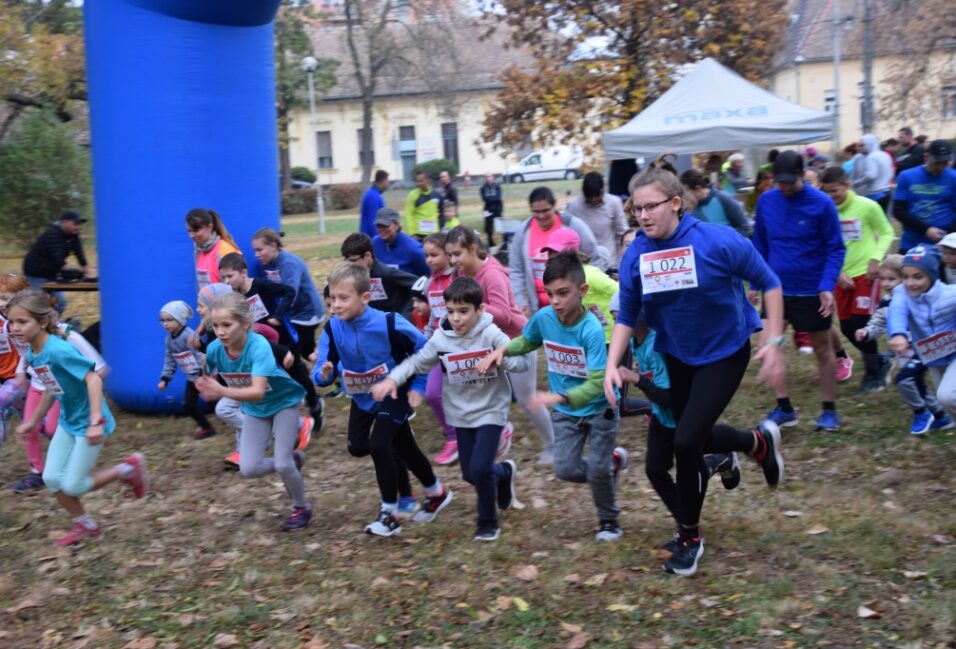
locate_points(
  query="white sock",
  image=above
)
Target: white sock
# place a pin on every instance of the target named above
(435, 490)
(125, 470)
(391, 508)
(86, 521)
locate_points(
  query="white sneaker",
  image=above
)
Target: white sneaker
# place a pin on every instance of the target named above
(386, 524)
(610, 531)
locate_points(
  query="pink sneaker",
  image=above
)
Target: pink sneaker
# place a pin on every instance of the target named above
(448, 453)
(504, 446)
(77, 535)
(138, 480)
(844, 368)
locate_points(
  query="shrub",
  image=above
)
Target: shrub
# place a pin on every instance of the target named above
(298, 201)
(345, 196)
(435, 167)
(43, 173)
(303, 173)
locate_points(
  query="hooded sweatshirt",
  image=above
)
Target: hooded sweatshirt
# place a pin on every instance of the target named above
(290, 270)
(721, 259)
(499, 299)
(877, 172)
(470, 400)
(925, 315)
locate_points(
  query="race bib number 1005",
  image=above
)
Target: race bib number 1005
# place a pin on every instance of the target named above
(461, 367)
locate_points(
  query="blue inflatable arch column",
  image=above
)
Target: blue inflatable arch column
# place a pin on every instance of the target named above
(182, 114)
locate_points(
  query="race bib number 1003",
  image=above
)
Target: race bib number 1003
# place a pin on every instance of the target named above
(566, 359)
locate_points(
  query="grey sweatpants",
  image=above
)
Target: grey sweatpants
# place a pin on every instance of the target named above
(229, 411)
(945, 380)
(257, 432)
(600, 432)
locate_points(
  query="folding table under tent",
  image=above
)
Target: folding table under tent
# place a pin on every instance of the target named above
(714, 109)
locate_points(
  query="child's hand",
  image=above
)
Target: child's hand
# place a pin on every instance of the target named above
(899, 343)
(209, 388)
(326, 368)
(612, 380)
(313, 356)
(384, 389)
(545, 399)
(162, 386)
(194, 341)
(94, 435)
(861, 334)
(490, 361)
(415, 399)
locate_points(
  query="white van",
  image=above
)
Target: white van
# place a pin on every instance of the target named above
(553, 163)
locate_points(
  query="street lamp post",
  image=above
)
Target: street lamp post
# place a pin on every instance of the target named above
(309, 64)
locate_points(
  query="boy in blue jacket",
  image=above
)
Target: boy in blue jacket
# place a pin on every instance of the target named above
(576, 354)
(362, 345)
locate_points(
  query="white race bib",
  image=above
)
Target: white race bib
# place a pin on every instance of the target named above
(436, 302)
(187, 362)
(538, 261)
(566, 360)
(362, 382)
(461, 367)
(240, 380)
(377, 290)
(863, 302)
(50, 384)
(668, 270)
(427, 226)
(936, 346)
(851, 229)
(258, 309)
(273, 276)
(596, 310)
(5, 346)
(203, 278)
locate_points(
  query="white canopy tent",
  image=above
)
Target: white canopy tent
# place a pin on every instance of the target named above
(714, 109)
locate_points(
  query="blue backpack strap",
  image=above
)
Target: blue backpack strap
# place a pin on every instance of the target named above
(401, 346)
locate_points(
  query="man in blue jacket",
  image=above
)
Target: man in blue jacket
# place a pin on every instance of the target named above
(797, 230)
(372, 202)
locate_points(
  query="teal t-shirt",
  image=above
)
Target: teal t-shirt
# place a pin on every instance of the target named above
(571, 351)
(62, 370)
(256, 359)
(712, 211)
(651, 364)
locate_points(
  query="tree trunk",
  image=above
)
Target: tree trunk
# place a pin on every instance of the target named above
(285, 165)
(367, 107)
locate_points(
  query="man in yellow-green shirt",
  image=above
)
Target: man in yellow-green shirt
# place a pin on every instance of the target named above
(423, 208)
(867, 235)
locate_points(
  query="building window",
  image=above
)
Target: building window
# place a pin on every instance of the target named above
(949, 100)
(449, 138)
(362, 153)
(829, 100)
(323, 143)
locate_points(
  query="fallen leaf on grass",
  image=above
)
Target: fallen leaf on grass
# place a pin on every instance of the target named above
(225, 640)
(24, 605)
(914, 574)
(596, 580)
(867, 613)
(520, 604)
(186, 619)
(817, 529)
(504, 602)
(379, 581)
(793, 513)
(707, 602)
(316, 643)
(617, 606)
(527, 573)
(573, 578)
(149, 642)
(539, 503)
(578, 641)
(571, 628)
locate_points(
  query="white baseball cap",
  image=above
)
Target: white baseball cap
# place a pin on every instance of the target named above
(949, 240)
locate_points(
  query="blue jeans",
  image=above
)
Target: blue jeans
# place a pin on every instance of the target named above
(36, 283)
(477, 448)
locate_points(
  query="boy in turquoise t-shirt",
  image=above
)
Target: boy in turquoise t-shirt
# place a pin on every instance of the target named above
(573, 341)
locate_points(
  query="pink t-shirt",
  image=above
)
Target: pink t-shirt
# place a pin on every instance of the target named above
(537, 239)
(207, 263)
(437, 284)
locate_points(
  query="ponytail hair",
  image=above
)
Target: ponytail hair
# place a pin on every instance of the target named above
(467, 237)
(41, 306)
(200, 217)
(270, 237)
(661, 173)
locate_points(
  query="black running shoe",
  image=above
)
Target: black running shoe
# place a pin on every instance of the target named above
(684, 560)
(727, 465)
(671, 545)
(387, 524)
(771, 460)
(487, 534)
(506, 486)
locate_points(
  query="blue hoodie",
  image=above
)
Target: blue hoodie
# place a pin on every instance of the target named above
(711, 321)
(801, 240)
(924, 315)
(363, 345)
(290, 270)
(404, 252)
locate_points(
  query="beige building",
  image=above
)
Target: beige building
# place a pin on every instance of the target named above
(804, 71)
(420, 113)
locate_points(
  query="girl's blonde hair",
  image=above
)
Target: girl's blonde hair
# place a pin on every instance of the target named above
(13, 283)
(40, 306)
(661, 173)
(201, 217)
(235, 305)
(893, 263)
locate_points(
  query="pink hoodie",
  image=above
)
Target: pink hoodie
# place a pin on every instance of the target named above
(499, 298)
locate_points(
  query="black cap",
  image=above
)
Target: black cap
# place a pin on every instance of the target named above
(788, 167)
(940, 151)
(72, 216)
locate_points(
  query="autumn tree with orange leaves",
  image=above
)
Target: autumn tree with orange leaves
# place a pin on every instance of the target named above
(599, 63)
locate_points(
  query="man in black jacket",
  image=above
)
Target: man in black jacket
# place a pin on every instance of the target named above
(491, 195)
(47, 257)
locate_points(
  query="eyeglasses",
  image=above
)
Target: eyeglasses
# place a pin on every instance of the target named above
(637, 210)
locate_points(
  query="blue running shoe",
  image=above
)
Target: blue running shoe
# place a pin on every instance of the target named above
(828, 420)
(783, 418)
(408, 505)
(942, 422)
(922, 422)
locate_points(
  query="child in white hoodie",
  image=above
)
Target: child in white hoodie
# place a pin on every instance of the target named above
(476, 405)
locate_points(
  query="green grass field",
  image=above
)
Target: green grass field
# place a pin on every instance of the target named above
(856, 549)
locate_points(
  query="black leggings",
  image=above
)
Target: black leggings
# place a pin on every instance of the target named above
(306, 343)
(699, 396)
(849, 326)
(393, 448)
(191, 406)
(490, 230)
